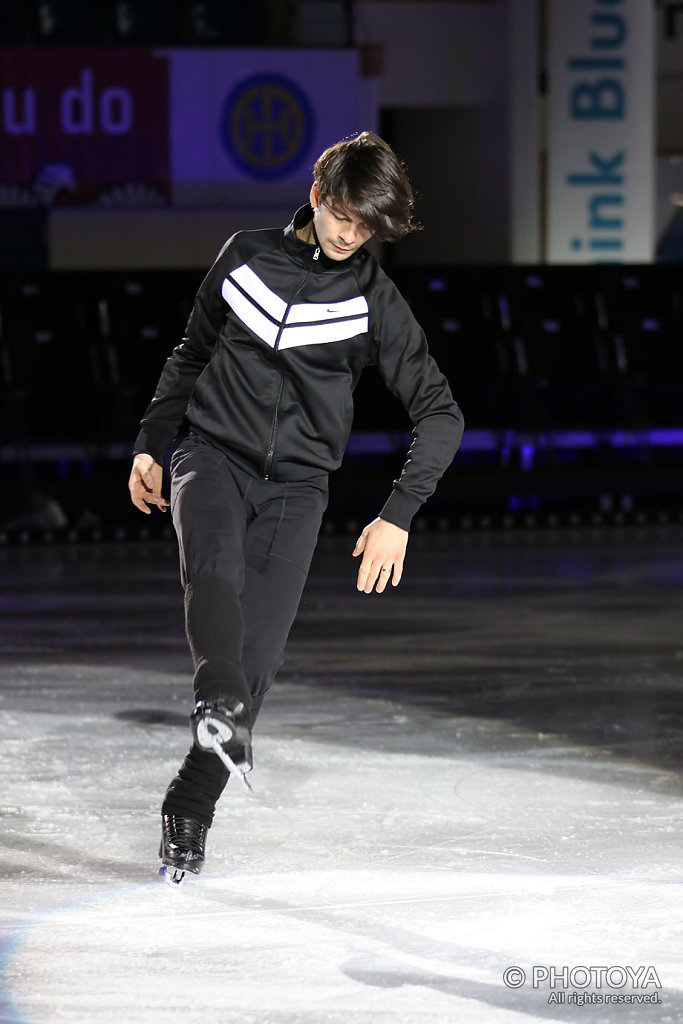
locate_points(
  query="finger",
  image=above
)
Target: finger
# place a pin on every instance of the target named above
(365, 574)
(152, 489)
(371, 577)
(140, 503)
(360, 545)
(383, 579)
(156, 499)
(398, 572)
(142, 498)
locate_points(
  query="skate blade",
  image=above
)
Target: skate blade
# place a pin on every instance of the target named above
(172, 876)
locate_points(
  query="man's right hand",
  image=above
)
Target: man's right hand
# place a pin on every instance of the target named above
(145, 484)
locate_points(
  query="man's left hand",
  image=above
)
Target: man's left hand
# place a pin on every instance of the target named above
(383, 547)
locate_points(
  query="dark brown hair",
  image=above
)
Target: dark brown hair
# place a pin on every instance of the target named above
(365, 175)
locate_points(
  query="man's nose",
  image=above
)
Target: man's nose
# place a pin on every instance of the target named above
(348, 234)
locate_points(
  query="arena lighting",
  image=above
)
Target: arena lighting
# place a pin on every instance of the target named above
(379, 442)
(386, 443)
(526, 456)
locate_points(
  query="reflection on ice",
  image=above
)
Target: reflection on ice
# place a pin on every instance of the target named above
(354, 945)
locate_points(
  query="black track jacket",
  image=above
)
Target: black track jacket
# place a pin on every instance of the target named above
(274, 346)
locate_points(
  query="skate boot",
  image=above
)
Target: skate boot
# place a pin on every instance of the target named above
(183, 842)
(225, 731)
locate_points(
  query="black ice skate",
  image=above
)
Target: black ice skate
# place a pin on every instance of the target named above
(226, 731)
(183, 843)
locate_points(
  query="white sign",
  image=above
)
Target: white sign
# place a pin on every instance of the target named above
(601, 131)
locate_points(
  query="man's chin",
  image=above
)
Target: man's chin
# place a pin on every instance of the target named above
(333, 253)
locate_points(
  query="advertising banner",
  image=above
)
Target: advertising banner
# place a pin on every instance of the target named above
(141, 128)
(601, 132)
(83, 127)
(245, 123)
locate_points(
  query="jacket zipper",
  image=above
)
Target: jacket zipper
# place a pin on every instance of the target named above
(268, 464)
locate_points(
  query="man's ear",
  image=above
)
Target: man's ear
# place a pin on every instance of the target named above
(314, 196)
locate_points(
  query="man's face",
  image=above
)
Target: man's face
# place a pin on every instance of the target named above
(340, 232)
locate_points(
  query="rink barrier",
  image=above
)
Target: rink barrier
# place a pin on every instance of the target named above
(586, 519)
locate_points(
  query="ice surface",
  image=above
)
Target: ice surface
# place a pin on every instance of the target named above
(478, 771)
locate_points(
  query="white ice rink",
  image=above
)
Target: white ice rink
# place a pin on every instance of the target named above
(398, 855)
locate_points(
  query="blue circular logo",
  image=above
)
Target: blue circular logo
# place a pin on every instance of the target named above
(267, 126)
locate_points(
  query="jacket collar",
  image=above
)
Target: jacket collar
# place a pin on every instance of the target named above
(303, 253)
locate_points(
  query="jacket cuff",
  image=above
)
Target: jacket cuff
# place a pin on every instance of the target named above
(149, 442)
(400, 508)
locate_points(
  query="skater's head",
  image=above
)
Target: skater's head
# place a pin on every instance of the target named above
(360, 191)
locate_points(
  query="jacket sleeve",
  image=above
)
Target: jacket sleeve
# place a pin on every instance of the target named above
(164, 415)
(412, 375)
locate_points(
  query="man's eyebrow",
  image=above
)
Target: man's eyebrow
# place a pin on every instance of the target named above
(343, 212)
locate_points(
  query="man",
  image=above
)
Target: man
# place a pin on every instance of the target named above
(260, 394)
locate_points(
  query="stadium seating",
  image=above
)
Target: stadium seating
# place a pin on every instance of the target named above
(80, 352)
(559, 347)
(50, 374)
(159, 23)
(529, 350)
(63, 21)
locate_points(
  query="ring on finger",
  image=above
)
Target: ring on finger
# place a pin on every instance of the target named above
(386, 570)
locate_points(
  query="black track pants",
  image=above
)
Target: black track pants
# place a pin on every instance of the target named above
(245, 549)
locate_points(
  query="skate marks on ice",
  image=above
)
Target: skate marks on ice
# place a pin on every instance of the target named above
(326, 947)
(526, 720)
(441, 901)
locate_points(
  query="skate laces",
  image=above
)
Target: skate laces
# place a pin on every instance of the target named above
(185, 833)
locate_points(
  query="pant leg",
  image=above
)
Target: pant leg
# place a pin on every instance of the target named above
(209, 504)
(280, 539)
(209, 508)
(245, 548)
(279, 549)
